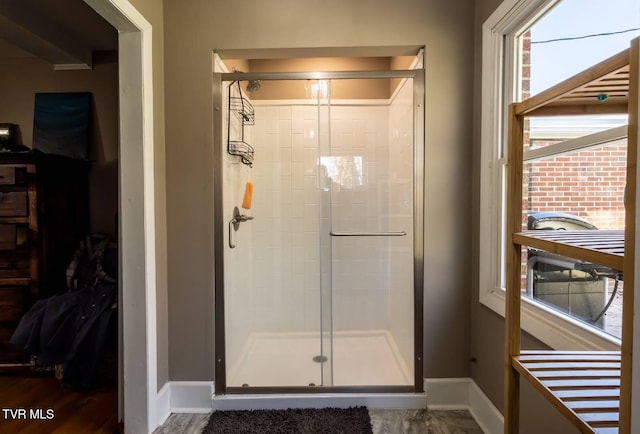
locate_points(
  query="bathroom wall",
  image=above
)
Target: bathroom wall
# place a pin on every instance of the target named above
(194, 29)
(22, 77)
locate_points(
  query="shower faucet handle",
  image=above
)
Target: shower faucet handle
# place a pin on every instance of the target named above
(239, 218)
(234, 224)
(242, 218)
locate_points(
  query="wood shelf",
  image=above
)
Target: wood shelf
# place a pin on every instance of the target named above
(609, 77)
(583, 386)
(15, 281)
(14, 220)
(599, 247)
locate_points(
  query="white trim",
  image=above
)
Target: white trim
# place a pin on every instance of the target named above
(138, 400)
(199, 397)
(447, 393)
(464, 394)
(320, 400)
(556, 331)
(191, 396)
(483, 411)
(218, 64)
(163, 406)
(148, 152)
(552, 328)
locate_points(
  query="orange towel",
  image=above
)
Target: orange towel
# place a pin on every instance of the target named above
(248, 193)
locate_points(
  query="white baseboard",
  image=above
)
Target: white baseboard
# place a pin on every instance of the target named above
(319, 400)
(191, 396)
(447, 393)
(483, 411)
(163, 407)
(183, 397)
(441, 394)
(464, 393)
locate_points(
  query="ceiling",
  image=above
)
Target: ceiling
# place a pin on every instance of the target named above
(65, 33)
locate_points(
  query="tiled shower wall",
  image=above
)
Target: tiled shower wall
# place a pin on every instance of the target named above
(278, 272)
(288, 205)
(360, 274)
(286, 268)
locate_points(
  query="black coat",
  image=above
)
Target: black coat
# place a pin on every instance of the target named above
(55, 328)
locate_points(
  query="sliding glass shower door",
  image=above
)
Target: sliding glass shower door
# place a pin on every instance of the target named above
(369, 169)
(319, 252)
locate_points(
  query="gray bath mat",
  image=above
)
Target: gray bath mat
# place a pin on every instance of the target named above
(354, 420)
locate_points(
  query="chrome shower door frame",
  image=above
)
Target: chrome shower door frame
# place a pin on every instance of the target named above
(220, 225)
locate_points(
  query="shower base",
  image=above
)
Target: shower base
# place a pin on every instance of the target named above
(368, 358)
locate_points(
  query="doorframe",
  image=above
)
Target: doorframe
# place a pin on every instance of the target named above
(418, 75)
(137, 367)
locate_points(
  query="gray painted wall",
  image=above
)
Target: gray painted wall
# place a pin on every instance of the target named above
(487, 328)
(192, 30)
(22, 77)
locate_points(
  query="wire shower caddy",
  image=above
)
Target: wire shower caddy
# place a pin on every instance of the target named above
(241, 110)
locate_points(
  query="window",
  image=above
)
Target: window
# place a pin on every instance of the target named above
(527, 47)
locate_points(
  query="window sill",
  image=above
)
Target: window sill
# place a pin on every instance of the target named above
(552, 328)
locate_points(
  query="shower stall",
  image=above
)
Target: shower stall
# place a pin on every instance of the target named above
(318, 228)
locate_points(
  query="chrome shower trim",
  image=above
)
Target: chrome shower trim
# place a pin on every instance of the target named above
(368, 234)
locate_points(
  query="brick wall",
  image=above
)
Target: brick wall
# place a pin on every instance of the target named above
(589, 184)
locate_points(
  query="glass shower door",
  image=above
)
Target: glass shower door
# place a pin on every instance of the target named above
(318, 267)
(277, 299)
(321, 91)
(370, 174)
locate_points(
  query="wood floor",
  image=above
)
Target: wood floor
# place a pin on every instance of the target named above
(68, 412)
(48, 408)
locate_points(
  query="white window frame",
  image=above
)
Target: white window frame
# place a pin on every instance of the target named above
(553, 328)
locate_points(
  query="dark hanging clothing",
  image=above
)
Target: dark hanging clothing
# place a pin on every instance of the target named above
(55, 328)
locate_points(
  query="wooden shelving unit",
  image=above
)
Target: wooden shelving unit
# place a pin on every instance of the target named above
(592, 389)
(44, 213)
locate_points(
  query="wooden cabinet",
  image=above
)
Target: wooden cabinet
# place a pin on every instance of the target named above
(43, 216)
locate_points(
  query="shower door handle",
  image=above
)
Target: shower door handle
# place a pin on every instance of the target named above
(368, 234)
